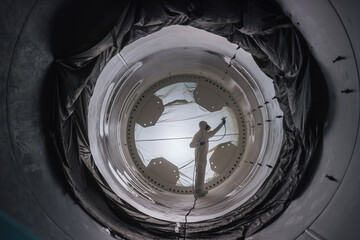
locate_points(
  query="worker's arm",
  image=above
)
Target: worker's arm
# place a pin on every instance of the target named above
(213, 132)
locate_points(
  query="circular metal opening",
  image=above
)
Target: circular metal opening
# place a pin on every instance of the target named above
(128, 86)
(163, 121)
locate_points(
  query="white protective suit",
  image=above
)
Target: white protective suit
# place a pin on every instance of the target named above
(201, 151)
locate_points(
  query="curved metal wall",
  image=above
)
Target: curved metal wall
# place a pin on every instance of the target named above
(32, 189)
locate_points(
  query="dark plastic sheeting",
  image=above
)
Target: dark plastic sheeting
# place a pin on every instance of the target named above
(259, 27)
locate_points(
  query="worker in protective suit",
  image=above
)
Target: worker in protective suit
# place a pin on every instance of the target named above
(201, 144)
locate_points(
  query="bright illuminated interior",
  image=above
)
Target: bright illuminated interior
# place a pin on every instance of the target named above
(171, 135)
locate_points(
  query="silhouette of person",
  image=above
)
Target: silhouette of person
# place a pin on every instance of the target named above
(200, 142)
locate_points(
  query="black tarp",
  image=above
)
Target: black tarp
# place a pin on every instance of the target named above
(259, 27)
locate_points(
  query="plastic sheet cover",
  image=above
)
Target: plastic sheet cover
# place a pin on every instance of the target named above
(259, 27)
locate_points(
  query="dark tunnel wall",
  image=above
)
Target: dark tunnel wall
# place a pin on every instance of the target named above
(31, 185)
(329, 29)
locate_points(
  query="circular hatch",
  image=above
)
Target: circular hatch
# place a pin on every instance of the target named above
(140, 130)
(163, 122)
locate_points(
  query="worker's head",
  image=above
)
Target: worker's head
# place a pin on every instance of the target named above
(204, 126)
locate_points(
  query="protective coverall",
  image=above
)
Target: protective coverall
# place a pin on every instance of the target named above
(200, 142)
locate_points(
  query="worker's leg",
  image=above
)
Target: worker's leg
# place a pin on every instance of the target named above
(200, 177)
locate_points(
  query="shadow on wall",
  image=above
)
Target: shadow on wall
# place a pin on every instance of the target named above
(81, 24)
